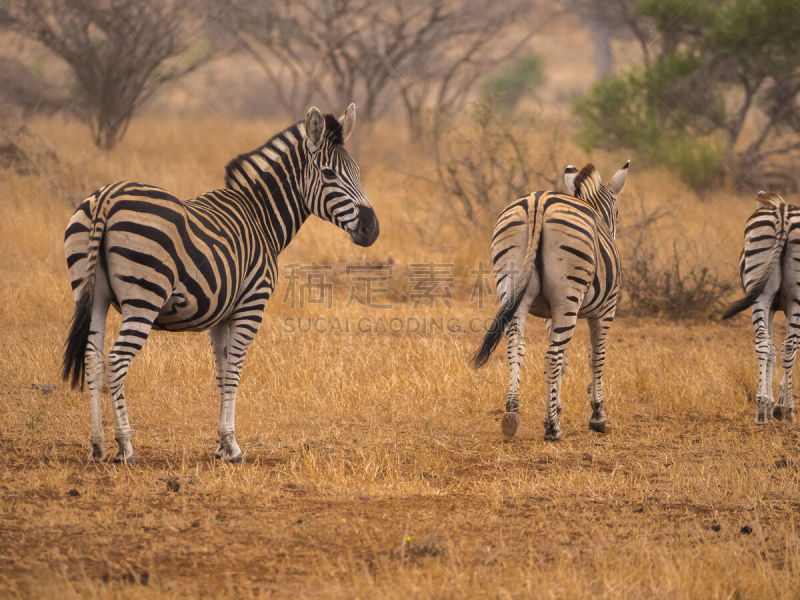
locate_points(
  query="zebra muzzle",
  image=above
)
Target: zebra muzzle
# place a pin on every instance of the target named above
(367, 229)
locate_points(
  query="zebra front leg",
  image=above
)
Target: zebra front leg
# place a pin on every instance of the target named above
(598, 330)
(133, 333)
(516, 352)
(785, 407)
(560, 335)
(230, 341)
(762, 323)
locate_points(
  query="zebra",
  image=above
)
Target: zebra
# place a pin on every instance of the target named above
(555, 256)
(209, 263)
(769, 272)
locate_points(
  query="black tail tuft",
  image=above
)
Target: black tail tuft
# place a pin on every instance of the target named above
(75, 348)
(496, 331)
(744, 303)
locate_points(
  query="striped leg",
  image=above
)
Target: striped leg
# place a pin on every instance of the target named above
(785, 407)
(548, 325)
(762, 323)
(95, 366)
(132, 335)
(563, 327)
(598, 330)
(230, 341)
(516, 352)
(515, 332)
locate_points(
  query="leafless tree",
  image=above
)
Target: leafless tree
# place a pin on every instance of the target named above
(119, 51)
(407, 55)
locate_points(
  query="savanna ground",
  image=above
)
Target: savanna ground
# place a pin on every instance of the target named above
(373, 463)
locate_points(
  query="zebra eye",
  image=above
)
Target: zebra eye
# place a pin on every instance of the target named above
(329, 173)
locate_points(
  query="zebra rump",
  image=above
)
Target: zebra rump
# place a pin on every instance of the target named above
(776, 203)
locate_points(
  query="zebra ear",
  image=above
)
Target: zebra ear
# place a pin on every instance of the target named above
(618, 181)
(569, 178)
(315, 128)
(348, 121)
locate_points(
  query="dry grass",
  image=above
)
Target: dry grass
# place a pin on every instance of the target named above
(374, 464)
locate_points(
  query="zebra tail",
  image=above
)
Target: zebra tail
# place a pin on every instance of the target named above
(761, 281)
(510, 306)
(73, 365)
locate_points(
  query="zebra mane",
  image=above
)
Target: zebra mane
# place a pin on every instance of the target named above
(770, 200)
(587, 182)
(278, 143)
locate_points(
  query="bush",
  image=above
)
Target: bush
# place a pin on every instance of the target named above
(494, 159)
(663, 282)
(507, 88)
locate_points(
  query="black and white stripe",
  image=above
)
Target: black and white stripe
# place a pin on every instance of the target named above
(555, 257)
(769, 272)
(209, 263)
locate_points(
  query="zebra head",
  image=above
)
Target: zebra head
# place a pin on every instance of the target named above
(586, 185)
(332, 178)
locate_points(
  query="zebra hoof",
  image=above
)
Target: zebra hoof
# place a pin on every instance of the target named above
(551, 434)
(598, 426)
(762, 417)
(509, 424)
(97, 454)
(783, 414)
(118, 459)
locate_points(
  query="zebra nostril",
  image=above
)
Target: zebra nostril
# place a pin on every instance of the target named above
(367, 230)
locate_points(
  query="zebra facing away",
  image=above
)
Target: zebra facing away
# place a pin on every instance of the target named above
(206, 263)
(769, 271)
(555, 257)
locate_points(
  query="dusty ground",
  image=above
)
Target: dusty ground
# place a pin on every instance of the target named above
(374, 463)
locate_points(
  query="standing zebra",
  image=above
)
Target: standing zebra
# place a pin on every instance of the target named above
(206, 263)
(555, 257)
(769, 271)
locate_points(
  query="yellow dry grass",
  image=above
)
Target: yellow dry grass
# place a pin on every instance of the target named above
(374, 464)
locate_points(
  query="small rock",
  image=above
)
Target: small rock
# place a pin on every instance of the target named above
(715, 526)
(74, 492)
(196, 523)
(173, 484)
(45, 388)
(747, 530)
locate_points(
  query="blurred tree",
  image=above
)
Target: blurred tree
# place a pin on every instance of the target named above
(414, 55)
(506, 88)
(606, 21)
(718, 92)
(119, 51)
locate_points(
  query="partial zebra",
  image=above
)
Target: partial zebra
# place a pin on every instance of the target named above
(206, 263)
(555, 257)
(769, 271)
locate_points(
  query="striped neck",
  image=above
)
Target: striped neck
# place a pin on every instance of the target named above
(272, 177)
(591, 190)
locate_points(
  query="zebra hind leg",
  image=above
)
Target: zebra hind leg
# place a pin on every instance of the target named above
(598, 329)
(516, 352)
(762, 323)
(784, 409)
(563, 326)
(132, 335)
(95, 366)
